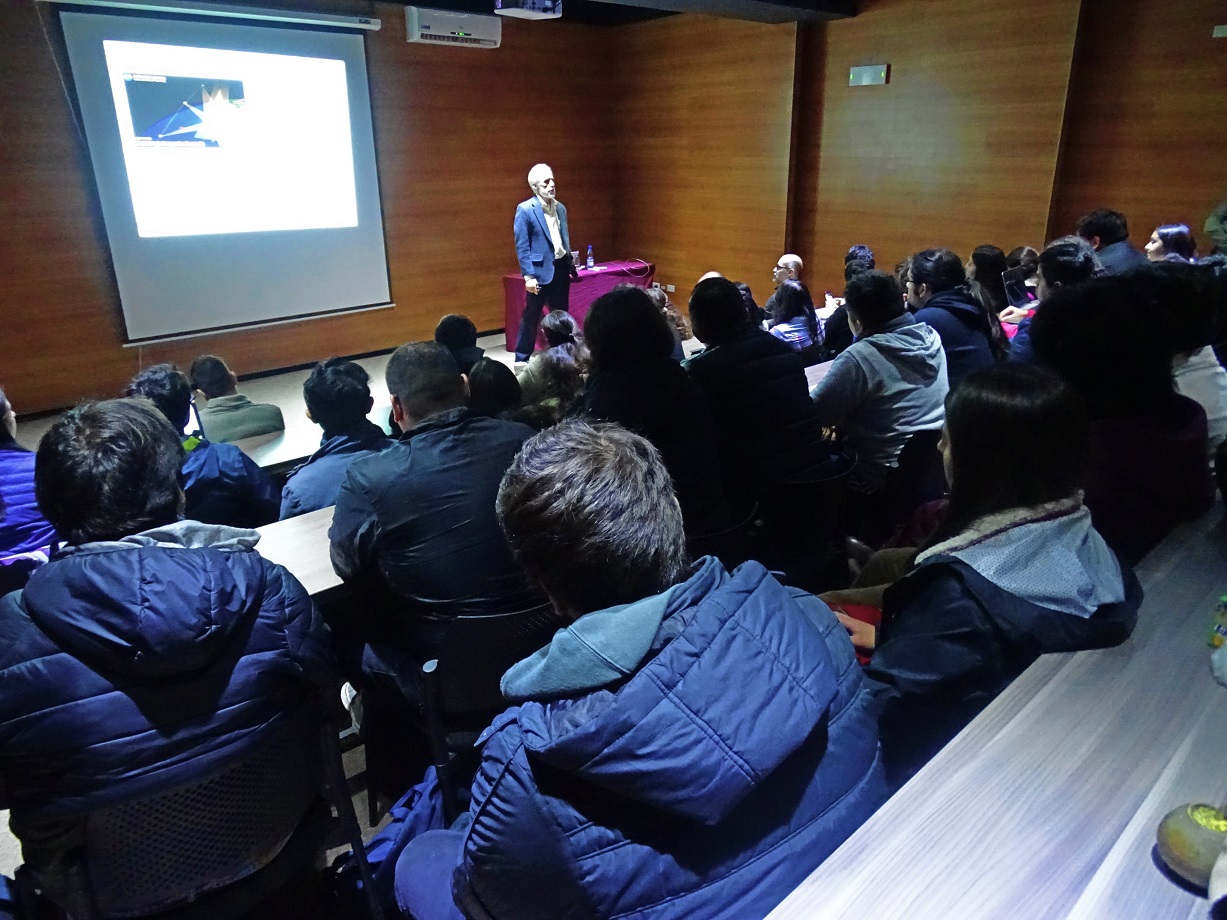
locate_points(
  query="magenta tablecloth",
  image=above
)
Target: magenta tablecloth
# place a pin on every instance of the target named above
(590, 286)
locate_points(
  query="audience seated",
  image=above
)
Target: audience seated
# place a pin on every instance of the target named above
(793, 318)
(765, 424)
(1108, 233)
(1024, 257)
(418, 518)
(836, 336)
(26, 538)
(1148, 469)
(150, 651)
(227, 415)
(937, 291)
(1172, 243)
(553, 380)
(788, 267)
(754, 313)
(1180, 298)
(1068, 260)
(678, 324)
(888, 385)
(222, 485)
(693, 745)
(635, 383)
(458, 335)
(338, 398)
(1014, 570)
(493, 389)
(1216, 228)
(984, 271)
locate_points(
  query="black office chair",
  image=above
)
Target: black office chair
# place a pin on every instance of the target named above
(873, 517)
(800, 535)
(731, 546)
(461, 693)
(221, 845)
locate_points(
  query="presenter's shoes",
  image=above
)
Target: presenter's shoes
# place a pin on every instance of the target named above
(521, 360)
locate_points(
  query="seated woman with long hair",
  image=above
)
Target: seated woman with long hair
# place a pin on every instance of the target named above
(1172, 243)
(984, 271)
(794, 320)
(1015, 569)
(553, 380)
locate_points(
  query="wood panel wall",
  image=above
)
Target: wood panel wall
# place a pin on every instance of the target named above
(959, 149)
(1146, 127)
(456, 131)
(702, 118)
(696, 143)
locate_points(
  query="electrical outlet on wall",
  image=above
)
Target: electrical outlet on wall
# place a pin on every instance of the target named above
(656, 285)
(670, 288)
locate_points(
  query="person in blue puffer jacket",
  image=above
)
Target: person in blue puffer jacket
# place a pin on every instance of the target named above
(26, 539)
(693, 745)
(149, 650)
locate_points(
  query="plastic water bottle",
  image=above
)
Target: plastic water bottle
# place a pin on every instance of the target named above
(591, 263)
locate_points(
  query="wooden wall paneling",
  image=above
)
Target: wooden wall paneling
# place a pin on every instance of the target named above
(1146, 128)
(456, 131)
(702, 116)
(959, 149)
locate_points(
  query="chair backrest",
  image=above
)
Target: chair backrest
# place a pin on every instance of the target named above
(921, 477)
(172, 846)
(460, 688)
(475, 652)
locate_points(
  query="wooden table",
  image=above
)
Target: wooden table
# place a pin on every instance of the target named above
(301, 545)
(1046, 805)
(585, 289)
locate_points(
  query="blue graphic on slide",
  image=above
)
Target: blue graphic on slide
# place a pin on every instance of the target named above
(180, 110)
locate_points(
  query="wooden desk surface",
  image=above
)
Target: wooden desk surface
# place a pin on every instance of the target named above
(1046, 805)
(301, 545)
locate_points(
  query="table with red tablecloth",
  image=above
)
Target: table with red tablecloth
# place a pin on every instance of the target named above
(591, 285)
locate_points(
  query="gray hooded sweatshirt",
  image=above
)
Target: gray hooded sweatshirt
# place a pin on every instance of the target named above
(884, 388)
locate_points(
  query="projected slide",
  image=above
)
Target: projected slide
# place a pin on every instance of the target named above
(218, 141)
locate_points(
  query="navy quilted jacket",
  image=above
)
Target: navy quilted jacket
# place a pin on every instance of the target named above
(708, 783)
(128, 666)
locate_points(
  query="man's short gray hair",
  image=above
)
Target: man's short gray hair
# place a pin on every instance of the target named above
(537, 175)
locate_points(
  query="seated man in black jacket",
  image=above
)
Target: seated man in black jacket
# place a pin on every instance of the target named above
(766, 427)
(416, 522)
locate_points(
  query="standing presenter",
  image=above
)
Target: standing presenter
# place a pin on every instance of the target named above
(543, 246)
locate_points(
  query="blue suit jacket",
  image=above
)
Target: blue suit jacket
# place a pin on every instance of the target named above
(534, 248)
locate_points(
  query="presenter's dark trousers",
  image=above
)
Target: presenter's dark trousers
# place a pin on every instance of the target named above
(557, 294)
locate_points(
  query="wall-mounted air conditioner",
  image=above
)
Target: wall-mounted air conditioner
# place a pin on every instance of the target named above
(458, 30)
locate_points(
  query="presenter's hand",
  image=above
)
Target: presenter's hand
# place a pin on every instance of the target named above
(532, 285)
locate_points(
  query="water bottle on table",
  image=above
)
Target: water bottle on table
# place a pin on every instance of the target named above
(591, 262)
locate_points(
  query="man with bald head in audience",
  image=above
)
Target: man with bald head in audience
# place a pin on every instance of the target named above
(416, 522)
(788, 267)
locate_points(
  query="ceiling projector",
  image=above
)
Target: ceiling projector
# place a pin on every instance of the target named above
(529, 9)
